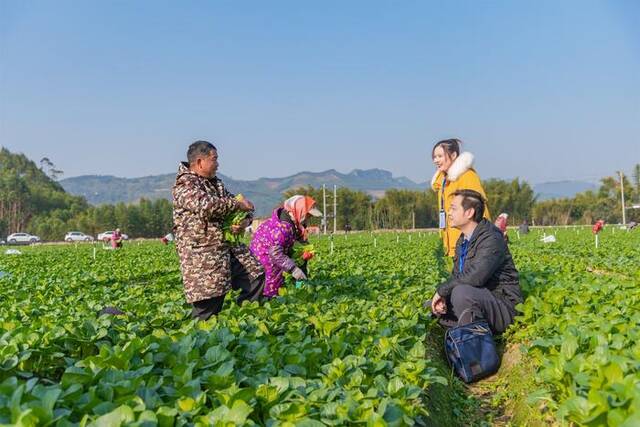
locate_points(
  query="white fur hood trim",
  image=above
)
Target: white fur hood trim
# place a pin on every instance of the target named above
(460, 165)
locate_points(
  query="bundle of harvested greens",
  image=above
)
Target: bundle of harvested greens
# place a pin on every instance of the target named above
(235, 218)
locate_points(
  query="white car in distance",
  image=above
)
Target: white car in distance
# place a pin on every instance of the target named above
(22, 238)
(106, 236)
(77, 236)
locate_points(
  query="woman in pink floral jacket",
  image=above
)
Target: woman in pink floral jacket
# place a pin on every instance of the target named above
(274, 239)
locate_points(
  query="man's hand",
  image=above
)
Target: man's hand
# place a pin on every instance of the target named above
(438, 305)
(245, 205)
(239, 229)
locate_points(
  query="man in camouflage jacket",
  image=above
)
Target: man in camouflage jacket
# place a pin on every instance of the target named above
(210, 266)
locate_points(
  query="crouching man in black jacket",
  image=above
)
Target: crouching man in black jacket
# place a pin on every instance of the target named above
(484, 283)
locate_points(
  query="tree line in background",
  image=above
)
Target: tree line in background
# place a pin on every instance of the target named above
(404, 209)
(590, 206)
(32, 201)
(396, 209)
(147, 218)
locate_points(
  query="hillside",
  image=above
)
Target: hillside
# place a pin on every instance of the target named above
(27, 193)
(264, 192)
(267, 192)
(562, 189)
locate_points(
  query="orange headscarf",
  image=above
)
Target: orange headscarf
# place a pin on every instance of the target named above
(299, 207)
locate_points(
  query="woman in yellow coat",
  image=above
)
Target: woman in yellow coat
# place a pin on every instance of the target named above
(454, 172)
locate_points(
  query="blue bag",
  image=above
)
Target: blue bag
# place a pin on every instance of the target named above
(471, 351)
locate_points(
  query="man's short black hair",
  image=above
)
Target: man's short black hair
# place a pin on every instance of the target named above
(199, 149)
(471, 199)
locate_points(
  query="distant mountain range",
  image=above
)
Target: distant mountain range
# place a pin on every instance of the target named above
(560, 189)
(266, 193)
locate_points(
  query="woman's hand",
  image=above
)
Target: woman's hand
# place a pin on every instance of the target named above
(298, 274)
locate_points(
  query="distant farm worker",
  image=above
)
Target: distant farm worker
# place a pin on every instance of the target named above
(524, 227)
(484, 283)
(273, 241)
(116, 239)
(454, 171)
(210, 266)
(501, 222)
(598, 226)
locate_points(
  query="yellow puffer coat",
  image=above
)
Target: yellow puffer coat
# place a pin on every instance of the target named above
(460, 176)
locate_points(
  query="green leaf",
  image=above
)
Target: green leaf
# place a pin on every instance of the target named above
(394, 386)
(613, 373)
(239, 412)
(308, 422)
(186, 404)
(577, 407)
(166, 416)
(119, 416)
(569, 346)
(288, 411)
(74, 375)
(280, 383)
(393, 414)
(633, 420)
(217, 354)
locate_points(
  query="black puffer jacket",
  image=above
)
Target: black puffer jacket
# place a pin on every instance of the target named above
(488, 264)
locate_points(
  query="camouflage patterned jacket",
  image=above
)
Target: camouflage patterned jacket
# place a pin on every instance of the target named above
(200, 206)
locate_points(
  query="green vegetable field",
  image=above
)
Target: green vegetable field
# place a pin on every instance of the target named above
(352, 347)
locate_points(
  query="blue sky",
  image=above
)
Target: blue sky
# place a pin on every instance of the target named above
(543, 90)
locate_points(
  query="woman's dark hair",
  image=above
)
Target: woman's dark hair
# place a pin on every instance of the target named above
(471, 199)
(449, 146)
(199, 149)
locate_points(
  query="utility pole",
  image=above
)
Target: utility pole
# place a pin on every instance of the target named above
(324, 208)
(335, 210)
(370, 217)
(413, 219)
(624, 215)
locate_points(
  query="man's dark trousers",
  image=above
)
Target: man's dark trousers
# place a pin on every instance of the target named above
(474, 304)
(250, 290)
